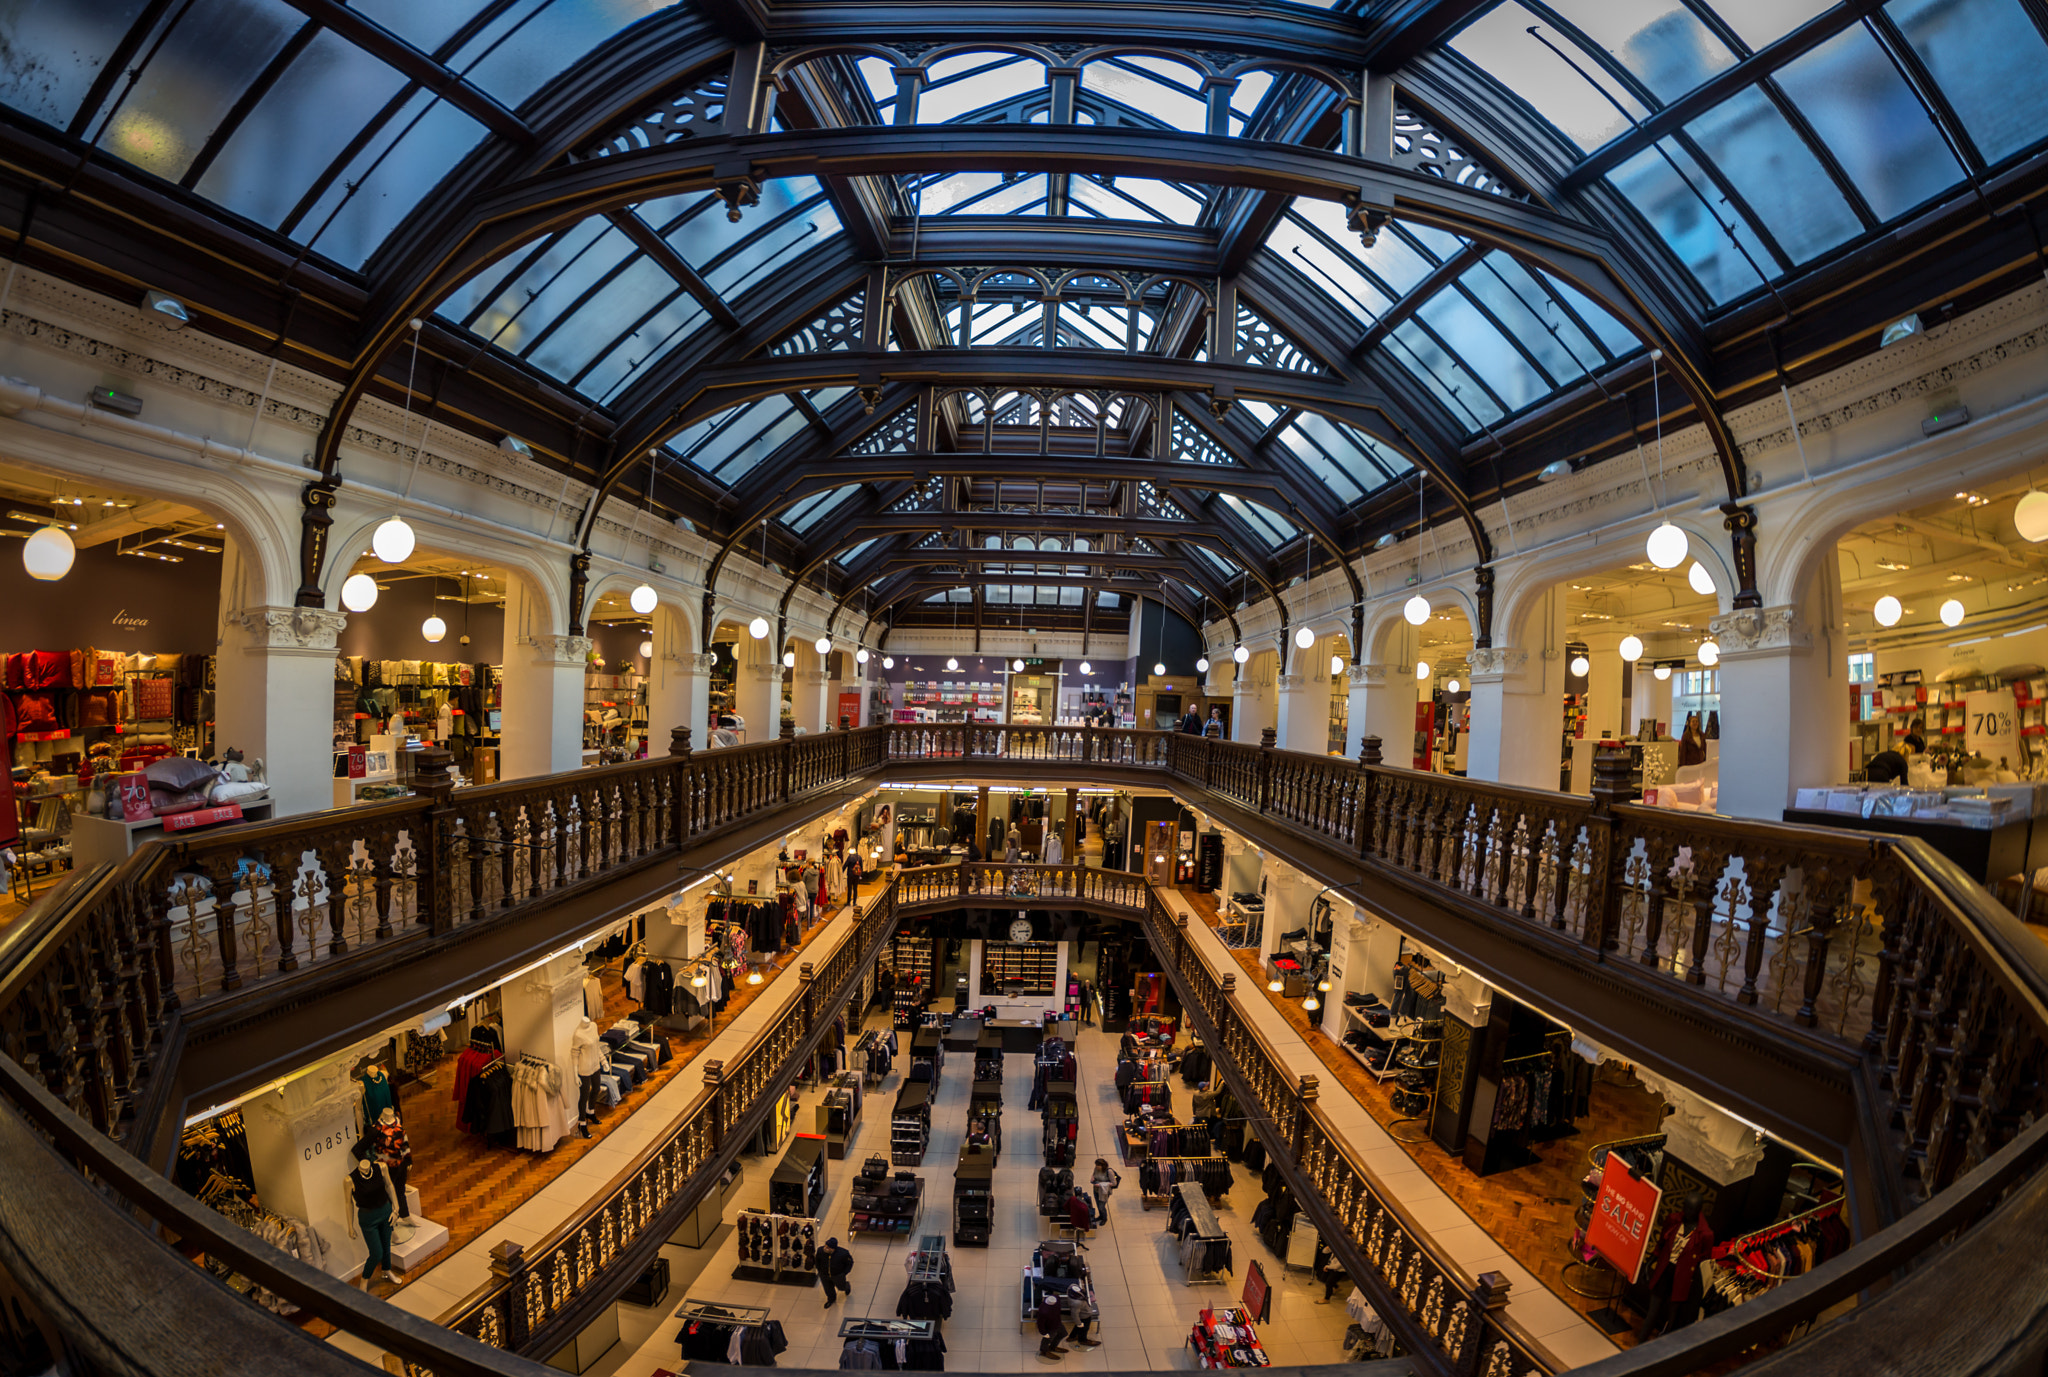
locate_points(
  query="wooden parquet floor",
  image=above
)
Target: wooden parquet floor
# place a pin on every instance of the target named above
(1529, 1211)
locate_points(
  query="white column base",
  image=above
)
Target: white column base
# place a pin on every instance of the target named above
(274, 685)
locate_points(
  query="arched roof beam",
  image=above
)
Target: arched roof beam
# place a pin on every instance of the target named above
(916, 589)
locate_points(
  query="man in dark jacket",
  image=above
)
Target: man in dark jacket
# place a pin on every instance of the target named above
(833, 1263)
(1191, 725)
(1052, 1325)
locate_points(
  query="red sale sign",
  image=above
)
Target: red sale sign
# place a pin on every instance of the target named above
(1624, 1219)
(202, 817)
(134, 792)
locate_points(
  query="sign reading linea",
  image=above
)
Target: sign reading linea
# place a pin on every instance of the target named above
(1623, 1218)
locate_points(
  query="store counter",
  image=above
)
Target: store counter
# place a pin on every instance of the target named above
(1018, 1034)
(1991, 831)
(95, 840)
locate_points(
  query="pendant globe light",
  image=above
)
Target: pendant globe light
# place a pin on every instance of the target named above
(48, 554)
(758, 628)
(1416, 610)
(1450, 686)
(1710, 653)
(1304, 638)
(1581, 666)
(789, 659)
(1662, 672)
(2031, 516)
(1421, 670)
(823, 645)
(1631, 648)
(1017, 666)
(647, 650)
(359, 593)
(1240, 655)
(1087, 668)
(1952, 613)
(1667, 544)
(642, 599)
(1699, 580)
(1202, 664)
(860, 657)
(952, 663)
(392, 541)
(1336, 665)
(1888, 610)
(888, 662)
(433, 629)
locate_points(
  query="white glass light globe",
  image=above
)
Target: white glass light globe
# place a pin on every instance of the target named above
(1304, 638)
(1422, 669)
(789, 659)
(1581, 666)
(359, 593)
(1416, 610)
(1700, 581)
(1451, 686)
(47, 555)
(642, 600)
(433, 629)
(1888, 610)
(860, 657)
(1710, 653)
(1631, 648)
(1666, 546)
(2031, 516)
(392, 541)
(1240, 655)
(758, 628)
(952, 663)
(1159, 667)
(1952, 613)
(888, 662)
(1202, 665)
(1336, 665)
(646, 650)
(1662, 672)
(1017, 666)
(1087, 668)
(823, 645)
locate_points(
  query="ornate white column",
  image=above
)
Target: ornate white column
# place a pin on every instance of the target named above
(1303, 708)
(1382, 705)
(1253, 704)
(1782, 705)
(807, 692)
(1517, 730)
(757, 688)
(274, 687)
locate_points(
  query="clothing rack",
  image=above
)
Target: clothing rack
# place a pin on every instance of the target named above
(1731, 1252)
(1147, 1199)
(722, 1314)
(888, 1329)
(929, 1263)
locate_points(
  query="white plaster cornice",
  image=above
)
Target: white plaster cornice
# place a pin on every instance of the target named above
(1755, 631)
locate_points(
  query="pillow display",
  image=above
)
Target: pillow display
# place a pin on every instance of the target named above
(175, 801)
(178, 773)
(36, 711)
(46, 669)
(153, 699)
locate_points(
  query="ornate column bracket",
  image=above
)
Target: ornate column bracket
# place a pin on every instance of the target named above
(1741, 524)
(1753, 631)
(1366, 676)
(298, 630)
(1482, 631)
(317, 499)
(579, 588)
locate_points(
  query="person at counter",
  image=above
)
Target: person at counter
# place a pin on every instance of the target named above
(1889, 767)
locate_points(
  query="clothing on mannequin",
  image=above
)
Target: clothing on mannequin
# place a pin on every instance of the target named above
(384, 1143)
(588, 1054)
(369, 1207)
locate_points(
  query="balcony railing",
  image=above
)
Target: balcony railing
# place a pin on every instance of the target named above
(1876, 947)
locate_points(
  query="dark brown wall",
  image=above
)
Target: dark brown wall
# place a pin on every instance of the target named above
(391, 629)
(177, 604)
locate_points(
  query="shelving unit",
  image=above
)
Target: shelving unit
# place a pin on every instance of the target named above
(1391, 1037)
(797, 1186)
(941, 703)
(910, 1126)
(881, 1206)
(1035, 964)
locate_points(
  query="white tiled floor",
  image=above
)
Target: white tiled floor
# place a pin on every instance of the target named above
(1146, 1306)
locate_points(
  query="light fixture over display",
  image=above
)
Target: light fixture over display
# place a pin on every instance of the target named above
(1017, 666)
(1952, 613)
(1667, 546)
(359, 593)
(2030, 517)
(1710, 653)
(1087, 668)
(1421, 670)
(433, 629)
(47, 555)
(888, 662)
(758, 628)
(1699, 580)
(1631, 648)
(1888, 610)
(952, 663)
(1304, 638)
(1276, 986)
(392, 542)
(642, 599)
(1581, 666)
(823, 645)
(1311, 1004)
(1202, 665)
(1240, 655)
(646, 650)
(1416, 610)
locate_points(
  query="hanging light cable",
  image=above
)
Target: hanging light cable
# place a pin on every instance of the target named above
(392, 541)
(1667, 544)
(1416, 609)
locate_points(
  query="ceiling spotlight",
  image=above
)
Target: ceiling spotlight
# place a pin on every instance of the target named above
(168, 309)
(952, 663)
(758, 628)
(1336, 665)
(823, 645)
(392, 541)
(754, 976)
(1700, 581)
(1240, 655)
(1710, 653)
(1416, 610)
(1421, 670)
(642, 600)
(1666, 546)
(860, 657)
(1952, 613)
(888, 662)
(1276, 986)
(433, 629)
(1387, 541)
(512, 444)
(1581, 666)
(1304, 638)
(1554, 470)
(1888, 610)
(1202, 665)
(1631, 648)
(647, 650)
(359, 593)
(47, 555)
(1662, 672)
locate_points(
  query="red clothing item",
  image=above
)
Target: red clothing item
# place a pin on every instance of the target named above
(1685, 1274)
(1080, 1214)
(467, 1064)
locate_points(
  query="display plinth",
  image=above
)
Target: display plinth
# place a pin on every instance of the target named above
(96, 840)
(428, 1238)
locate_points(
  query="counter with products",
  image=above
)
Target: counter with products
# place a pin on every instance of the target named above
(1226, 1338)
(1990, 830)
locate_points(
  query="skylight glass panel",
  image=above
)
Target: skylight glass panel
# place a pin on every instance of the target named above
(1135, 198)
(1616, 337)
(1987, 57)
(810, 512)
(825, 398)
(1215, 561)
(1330, 268)
(649, 339)
(880, 78)
(1358, 461)
(1169, 92)
(1443, 375)
(1499, 43)
(1105, 598)
(285, 143)
(1761, 22)
(426, 24)
(404, 161)
(729, 444)
(571, 263)
(1320, 463)
(69, 45)
(1264, 523)
(793, 218)
(1698, 234)
(1394, 260)
(1483, 349)
(1252, 89)
(1532, 317)
(193, 79)
(1772, 169)
(1660, 43)
(982, 193)
(1876, 127)
(576, 340)
(523, 48)
(969, 82)
(849, 556)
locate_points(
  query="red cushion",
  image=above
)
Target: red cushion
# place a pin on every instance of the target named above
(36, 711)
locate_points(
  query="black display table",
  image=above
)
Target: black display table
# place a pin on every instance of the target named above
(1988, 854)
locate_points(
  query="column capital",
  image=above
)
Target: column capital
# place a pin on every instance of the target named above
(1755, 631)
(1493, 663)
(559, 650)
(697, 662)
(1364, 675)
(814, 677)
(290, 630)
(1291, 683)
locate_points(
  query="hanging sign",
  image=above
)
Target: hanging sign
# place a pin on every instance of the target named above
(1991, 725)
(134, 792)
(1258, 1294)
(1623, 1216)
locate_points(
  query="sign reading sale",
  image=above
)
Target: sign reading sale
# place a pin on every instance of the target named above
(1624, 1218)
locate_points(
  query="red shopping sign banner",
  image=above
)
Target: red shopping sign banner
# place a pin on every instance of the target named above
(134, 793)
(1623, 1221)
(203, 817)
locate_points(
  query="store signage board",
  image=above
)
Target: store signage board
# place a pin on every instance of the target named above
(1623, 1219)
(202, 817)
(1991, 725)
(134, 792)
(1257, 1294)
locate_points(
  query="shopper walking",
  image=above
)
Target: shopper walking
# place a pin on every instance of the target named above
(833, 1264)
(1327, 1271)
(1104, 1180)
(1080, 1217)
(1052, 1325)
(1084, 1315)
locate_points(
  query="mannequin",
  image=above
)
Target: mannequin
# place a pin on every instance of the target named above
(835, 878)
(1683, 1243)
(384, 1143)
(379, 1093)
(1055, 851)
(369, 1206)
(1013, 847)
(588, 1054)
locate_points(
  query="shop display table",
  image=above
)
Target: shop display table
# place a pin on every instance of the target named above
(1017, 1034)
(1055, 1264)
(1988, 854)
(427, 1239)
(1226, 1338)
(96, 840)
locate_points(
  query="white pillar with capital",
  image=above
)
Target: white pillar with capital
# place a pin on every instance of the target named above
(274, 699)
(757, 688)
(1784, 714)
(807, 696)
(1303, 708)
(678, 695)
(1288, 895)
(1382, 705)
(1253, 707)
